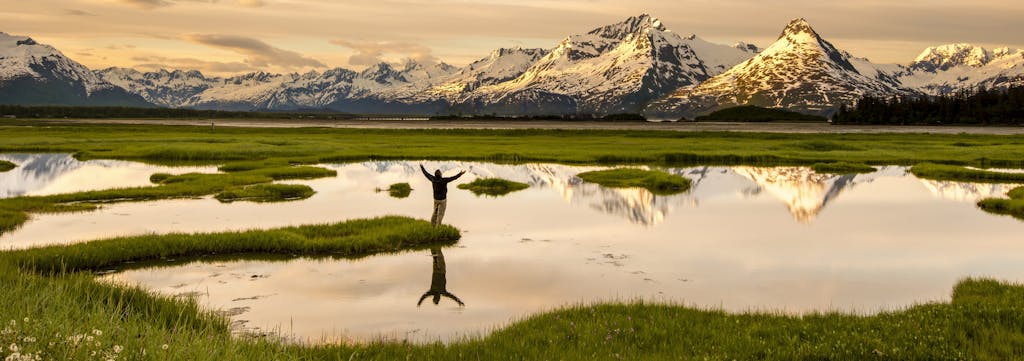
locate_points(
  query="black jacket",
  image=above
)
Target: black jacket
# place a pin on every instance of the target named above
(440, 183)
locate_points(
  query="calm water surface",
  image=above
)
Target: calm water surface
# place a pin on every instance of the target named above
(744, 238)
(46, 174)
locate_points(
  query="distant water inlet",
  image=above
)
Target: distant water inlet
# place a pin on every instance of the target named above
(742, 238)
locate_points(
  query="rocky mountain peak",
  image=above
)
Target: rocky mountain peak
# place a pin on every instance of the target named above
(798, 26)
(949, 56)
(632, 25)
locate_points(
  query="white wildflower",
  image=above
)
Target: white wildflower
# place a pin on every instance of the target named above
(13, 347)
(164, 346)
(118, 348)
(97, 332)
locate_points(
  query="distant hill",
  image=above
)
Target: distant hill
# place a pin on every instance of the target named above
(750, 113)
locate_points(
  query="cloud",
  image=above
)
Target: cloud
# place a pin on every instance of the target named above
(369, 53)
(258, 53)
(76, 12)
(251, 3)
(151, 4)
(153, 63)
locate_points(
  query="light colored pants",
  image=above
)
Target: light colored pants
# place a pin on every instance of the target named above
(439, 206)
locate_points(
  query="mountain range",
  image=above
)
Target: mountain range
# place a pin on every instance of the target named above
(635, 66)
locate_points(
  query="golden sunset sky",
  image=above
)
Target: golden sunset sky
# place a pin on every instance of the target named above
(222, 37)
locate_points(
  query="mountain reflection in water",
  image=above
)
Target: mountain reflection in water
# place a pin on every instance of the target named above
(804, 192)
(44, 174)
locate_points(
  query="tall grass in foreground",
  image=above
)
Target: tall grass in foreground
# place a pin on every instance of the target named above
(6, 166)
(657, 182)
(493, 187)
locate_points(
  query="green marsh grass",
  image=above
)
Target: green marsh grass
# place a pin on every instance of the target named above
(351, 238)
(266, 193)
(6, 166)
(493, 187)
(842, 168)
(657, 182)
(49, 303)
(1014, 206)
(13, 211)
(957, 173)
(239, 149)
(398, 190)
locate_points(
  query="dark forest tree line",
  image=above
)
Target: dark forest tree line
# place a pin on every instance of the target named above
(967, 107)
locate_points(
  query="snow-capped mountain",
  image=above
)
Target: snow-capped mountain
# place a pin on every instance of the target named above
(34, 73)
(500, 66)
(947, 68)
(800, 71)
(637, 65)
(616, 68)
(163, 88)
(377, 89)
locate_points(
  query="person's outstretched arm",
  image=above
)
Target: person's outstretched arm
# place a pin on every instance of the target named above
(454, 177)
(425, 173)
(456, 299)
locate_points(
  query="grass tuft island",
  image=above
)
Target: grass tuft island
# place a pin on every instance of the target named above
(493, 186)
(1014, 206)
(398, 190)
(842, 168)
(262, 193)
(657, 182)
(6, 166)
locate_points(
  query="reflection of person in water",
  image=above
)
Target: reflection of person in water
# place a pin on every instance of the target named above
(440, 192)
(438, 282)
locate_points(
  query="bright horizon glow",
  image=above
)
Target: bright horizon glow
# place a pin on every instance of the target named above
(226, 37)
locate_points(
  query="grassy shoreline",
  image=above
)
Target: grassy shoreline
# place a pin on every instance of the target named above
(201, 145)
(6, 166)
